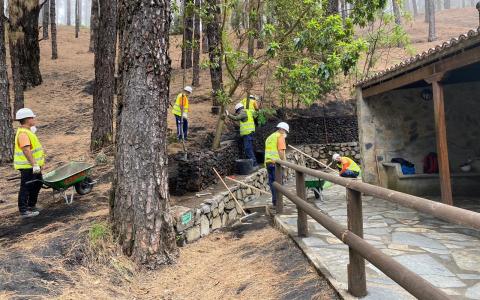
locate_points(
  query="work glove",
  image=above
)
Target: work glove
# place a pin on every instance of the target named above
(37, 169)
(227, 113)
(185, 115)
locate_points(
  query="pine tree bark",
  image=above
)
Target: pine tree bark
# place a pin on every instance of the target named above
(214, 49)
(69, 12)
(431, 21)
(196, 44)
(415, 8)
(46, 19)
(204, 37)
(343, 8)
(17, 46)
(396, 12)
(141, 212)
(93, 25)
(188, 35)
(6, 128)
(77, 18)
(103, 95)
(30, 62)
(426, 11)
(447, 4)
(53, 28)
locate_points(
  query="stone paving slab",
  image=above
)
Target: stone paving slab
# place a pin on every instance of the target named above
(446, 255)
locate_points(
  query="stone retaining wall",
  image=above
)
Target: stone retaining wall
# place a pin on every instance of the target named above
(218, 211)
(323, 153)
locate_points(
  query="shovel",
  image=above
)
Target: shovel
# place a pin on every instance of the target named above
(246, 216)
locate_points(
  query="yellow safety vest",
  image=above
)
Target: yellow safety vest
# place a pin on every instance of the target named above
(20, 161)
(250, 105)
(177, 110)
(352, 167)
(248, 126)
(271, 148)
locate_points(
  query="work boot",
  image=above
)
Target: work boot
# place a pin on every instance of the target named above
(33, 209)
(29, 214)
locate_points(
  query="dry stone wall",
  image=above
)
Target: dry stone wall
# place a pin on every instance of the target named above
(217, 212)
(323, 153)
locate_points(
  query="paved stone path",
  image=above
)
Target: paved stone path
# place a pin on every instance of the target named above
(446, 255)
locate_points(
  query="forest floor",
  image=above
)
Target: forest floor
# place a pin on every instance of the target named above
(41, 257)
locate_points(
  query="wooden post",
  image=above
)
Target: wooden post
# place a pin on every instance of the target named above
(357, 284)
(302, 224)
(278, 195)
(442, 147)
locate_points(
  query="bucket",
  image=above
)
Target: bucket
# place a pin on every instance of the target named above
(243, 166)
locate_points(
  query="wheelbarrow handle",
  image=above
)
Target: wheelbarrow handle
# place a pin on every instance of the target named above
(44, 185)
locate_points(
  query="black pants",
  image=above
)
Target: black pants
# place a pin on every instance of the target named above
(28, 194)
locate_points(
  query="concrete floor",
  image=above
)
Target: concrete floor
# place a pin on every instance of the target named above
(446, 255)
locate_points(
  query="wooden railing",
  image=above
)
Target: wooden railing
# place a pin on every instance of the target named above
(352, 235)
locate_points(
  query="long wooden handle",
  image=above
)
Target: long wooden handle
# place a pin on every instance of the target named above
(305, 154)
(248, 185)
(234, 198)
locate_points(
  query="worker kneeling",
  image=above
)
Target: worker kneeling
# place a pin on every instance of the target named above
(348, 168)
(247, 129)
(275, 147)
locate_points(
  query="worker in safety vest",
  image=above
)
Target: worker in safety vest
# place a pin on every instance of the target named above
(275, 148)
(180, 110)
(247, 129)
(348, 168)
(250, 103)
(29, 158)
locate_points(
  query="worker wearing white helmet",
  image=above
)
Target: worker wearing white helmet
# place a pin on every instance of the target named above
(247, 129)
(250, 103)
(348, 168)
(180, 110)
(275, 148)
(29, 158)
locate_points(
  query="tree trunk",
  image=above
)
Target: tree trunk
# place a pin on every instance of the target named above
(53, 29)
(196, 44)
(464, 4)
(46, 19)
(396, 12)
(77, 18)
(187, 35)
(431, 21)
(415, 8)
(6, 129)
(214, 49)
(260, 43)
(31, 60)
(141, 211)
(17, 46)
(204, 37)
(103, 95)
(343, 8)
(69, 12)
(426, 11)
(332, 7)
(447, 4)
(252, 33)
(94, 25)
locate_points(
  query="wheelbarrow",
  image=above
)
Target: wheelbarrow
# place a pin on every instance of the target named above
(316, 185)
(74, 175)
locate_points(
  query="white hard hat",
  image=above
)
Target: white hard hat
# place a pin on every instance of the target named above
(335, 156)
(284, 126)
(24, 113)
(188, 89)
(252, 97)
(238, 106)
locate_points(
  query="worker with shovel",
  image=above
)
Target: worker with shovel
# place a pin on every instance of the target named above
(348, 168)
(247, 129)
(275, 148)
(180, 110)
(250, 103)
(29, 158)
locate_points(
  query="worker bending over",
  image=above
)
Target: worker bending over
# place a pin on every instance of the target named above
(247, 129)
(180, 110)
(29, 158)
(275, 147)
(250, 103)
(348, 168)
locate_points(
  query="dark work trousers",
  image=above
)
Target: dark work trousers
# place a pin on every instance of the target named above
(28, 194)
(349, 174)
(248, 147)
(178, 120)
(271, 180)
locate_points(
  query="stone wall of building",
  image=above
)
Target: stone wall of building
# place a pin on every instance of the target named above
(323, 153)
(217, 212)
(401, 124)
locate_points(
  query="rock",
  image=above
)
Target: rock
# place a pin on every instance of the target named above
(216, 223)
(212, 202)
(204, 226)
(192, 234)
(221, 207)
(232, 216)
(184, 217)
(198, 214)
(214, 212)
(224, 219)
(205, 208)
(229, 205)
(101, 158)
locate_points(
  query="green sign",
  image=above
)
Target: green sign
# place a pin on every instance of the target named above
(186, 218)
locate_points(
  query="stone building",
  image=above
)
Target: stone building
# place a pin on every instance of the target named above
(428, 103)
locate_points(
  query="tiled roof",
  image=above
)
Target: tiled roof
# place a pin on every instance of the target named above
(424, 58)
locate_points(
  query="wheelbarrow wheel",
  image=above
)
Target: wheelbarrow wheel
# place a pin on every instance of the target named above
(84, 187)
